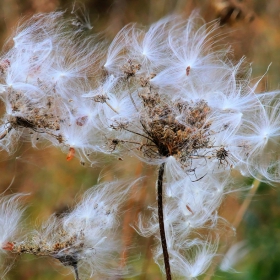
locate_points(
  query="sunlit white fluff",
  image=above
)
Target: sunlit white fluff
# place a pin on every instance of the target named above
(233, 256)
(115, 58)
(11, 229)
(149, 48)
(260, 133)
(88, 234)
(105, 100)
(11, 211)
(190, 47)
(191, 268)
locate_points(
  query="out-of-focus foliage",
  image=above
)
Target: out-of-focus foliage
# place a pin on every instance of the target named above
(252, 28)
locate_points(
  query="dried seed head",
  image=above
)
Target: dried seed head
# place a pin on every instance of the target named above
(131, 68)
(102, 98)
(171, 135)
(81, 121)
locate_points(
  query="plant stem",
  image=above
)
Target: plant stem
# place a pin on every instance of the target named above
(242, 210)
(76, 272)
(161, 222)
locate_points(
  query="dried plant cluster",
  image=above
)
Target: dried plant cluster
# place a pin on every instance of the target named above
(171, 136)
(168, 96)
(85, 238)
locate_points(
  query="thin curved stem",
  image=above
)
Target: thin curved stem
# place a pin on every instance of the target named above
(161, 222)
(242, 210)
(76, 272)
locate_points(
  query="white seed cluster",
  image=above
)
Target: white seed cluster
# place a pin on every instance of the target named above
(166, 95)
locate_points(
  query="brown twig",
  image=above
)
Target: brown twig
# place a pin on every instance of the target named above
(161, 222)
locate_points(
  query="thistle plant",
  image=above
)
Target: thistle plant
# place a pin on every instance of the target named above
(168, 95)
(86, 238)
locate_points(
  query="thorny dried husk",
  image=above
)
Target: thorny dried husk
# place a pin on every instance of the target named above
(66, 249)
(32, 115)
(179, 129)
(131, 68)
(65, 245)
(37, 116)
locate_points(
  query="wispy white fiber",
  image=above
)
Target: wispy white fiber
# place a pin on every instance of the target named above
(167, 94)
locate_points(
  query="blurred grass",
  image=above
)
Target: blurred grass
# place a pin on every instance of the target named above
(55, 184)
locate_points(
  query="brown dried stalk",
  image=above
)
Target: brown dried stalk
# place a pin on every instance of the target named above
(161, 222)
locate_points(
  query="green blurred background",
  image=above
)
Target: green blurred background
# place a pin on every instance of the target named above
(252, 28)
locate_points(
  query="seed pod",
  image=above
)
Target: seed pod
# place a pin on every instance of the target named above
(81, 121)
